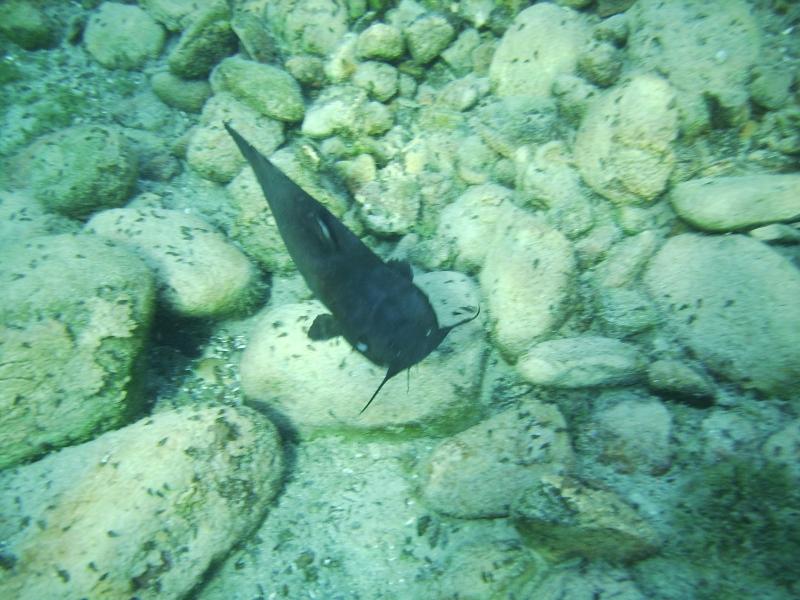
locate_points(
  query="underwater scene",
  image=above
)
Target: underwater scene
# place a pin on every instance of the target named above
(412, 299)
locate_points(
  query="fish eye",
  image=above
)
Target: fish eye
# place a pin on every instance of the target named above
(361, 347)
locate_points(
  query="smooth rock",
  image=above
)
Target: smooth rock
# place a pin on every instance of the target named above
(544, 41)
(512, 122)
(634, 436)
(120, 36)
(487, 469)
(568, 518)
(733, 301)
(380, 41)
(268, 90)
(75, 312)
(21, 217)
(623, 148)
(211, 150)
(377, 78)
(427, 36)
(624, 312)
(626, 260)
(207, 40)
(583, 361)
(188, 96)
(322, 385)
(143, 511)
(732, 203)
(707, 56)
(472, 219)
(389, 205)
(173, 14)
(25, 24)
(311, 26)
(79, 170)
(527, 279)
(200, 273)
(337, 110)
(254, 37)
(673, 378)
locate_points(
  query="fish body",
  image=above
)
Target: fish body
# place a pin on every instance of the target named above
(373, 304)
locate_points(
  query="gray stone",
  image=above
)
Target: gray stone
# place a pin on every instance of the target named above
(21, 217)
(427, 36)
(584, 361)
(211, 150)
(527, 279)
(470, 220)
(144, 510)
(79, 170)
(120, 36)
(379, 79)
(26, 25)
(733, 301)
(173, 14)
(623, 148)
(675, 378)
(337, 110)
(207, 40)
(543, 41)
(771, 88)
(253, 35)
(624, 312)
(783, 448)
(509, 123)
(391, 204)
(634, 435)
(268, 90)
(200, 273)
(569, 518)
(489, 468)
(601, 63)
(380, 41)
(732, 203)
(307, 69)
(188, 96)
(74, 312)
(710, 79)
(311, 26)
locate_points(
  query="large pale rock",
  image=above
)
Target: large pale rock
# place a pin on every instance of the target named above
(544, 41)
(74, 312)
(734, 302)
(732, 203)
(583, 361)
(623, 148)
(323, 385)
(527, 279)
(78, 170)
(707, 55)
(311, 26)
(487, 469)
(469, 221)
(268, 90)
(120, 36)
(200, 273)
(139, 512)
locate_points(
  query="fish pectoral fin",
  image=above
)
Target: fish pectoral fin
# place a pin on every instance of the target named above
(324, 327)
(401, 267)
(325, 230)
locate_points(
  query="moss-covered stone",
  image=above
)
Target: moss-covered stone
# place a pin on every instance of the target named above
(204, 43)
(26, 25)
(180, 93)
(120, 36)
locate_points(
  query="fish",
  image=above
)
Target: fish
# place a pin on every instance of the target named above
(373, 304)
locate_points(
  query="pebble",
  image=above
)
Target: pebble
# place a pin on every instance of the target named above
(427, 36)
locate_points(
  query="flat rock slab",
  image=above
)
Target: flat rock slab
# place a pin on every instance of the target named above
(734, 302)
(142, 511)
(734, 203)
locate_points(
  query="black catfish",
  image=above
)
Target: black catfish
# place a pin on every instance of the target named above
(374, 304)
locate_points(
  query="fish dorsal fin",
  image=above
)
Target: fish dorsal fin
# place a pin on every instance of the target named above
(402, 267)
(324, 327)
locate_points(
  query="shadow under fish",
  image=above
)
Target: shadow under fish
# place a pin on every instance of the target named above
(373, 304)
